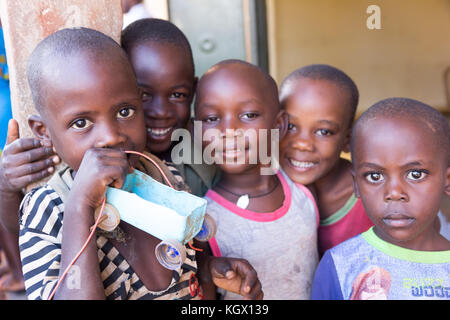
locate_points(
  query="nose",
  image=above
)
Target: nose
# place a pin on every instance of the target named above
(303, 142)
(109, 135)
(157, 108)
(395, 191)
(228, 127)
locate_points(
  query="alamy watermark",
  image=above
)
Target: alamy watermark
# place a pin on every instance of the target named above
(230, 147)
(373, 22)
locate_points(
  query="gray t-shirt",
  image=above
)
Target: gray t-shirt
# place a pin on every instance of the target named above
(280, 245)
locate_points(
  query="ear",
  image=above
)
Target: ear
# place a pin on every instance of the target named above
(447, 184)
(194, 89)
(355, 185)
(281, 123)
(346, 147)
(40, 130)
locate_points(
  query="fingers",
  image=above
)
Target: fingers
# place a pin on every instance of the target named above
(219, 268)
(109, 165)
(250, 284)
(23, 181)
(22, 145)
(30, 156)
(30, 168)
(236, 275)
(13, 131)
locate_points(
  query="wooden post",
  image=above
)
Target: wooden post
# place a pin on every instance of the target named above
(25, 23)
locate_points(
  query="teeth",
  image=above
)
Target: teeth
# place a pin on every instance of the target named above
(234, 151)
(301, 164)
(158, 131)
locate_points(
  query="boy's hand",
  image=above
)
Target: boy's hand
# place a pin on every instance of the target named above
(236, 275)
(24, 161)
(100, 168)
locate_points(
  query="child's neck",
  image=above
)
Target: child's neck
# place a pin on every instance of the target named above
(265, 192)
(166, 156)
(429, 240)
(334, 189)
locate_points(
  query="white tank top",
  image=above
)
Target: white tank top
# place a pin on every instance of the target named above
(280, 245)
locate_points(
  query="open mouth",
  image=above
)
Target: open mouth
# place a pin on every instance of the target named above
(302, 165)
(232, 153)
(159, 132)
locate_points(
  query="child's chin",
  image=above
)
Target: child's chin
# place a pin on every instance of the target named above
(236, 168)
(300, 178)
(158, 147)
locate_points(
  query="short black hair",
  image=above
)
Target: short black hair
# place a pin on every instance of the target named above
(272, 87)
(61, 46)
(155, 30)
(406, 108)
(329, 73)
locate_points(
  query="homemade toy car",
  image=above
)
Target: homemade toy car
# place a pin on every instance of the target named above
(175, 217)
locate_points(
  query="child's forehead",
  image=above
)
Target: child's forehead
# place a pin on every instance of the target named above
(237, 77)
(318, 88)
(404, 134)
(161, 55)
(88, 74)
(319, 99)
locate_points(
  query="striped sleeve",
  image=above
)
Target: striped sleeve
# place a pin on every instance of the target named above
(40, 241)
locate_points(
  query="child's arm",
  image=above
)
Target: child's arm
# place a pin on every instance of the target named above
(23, 161)
(326, 284)
(99, 169)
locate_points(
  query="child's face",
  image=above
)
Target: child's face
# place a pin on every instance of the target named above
(164, 73)
(318, 129)
(94, 104)
(401, 176)
(234, 98)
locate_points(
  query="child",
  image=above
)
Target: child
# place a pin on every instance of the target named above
(321, 102)
(400, 153)
(162, 59)
(90, 120)
(275, 227)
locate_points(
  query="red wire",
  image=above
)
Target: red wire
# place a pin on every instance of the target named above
(154, 162)
(79, 253)
(96, 224)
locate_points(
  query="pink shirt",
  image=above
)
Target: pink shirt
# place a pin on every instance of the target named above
(346, 223)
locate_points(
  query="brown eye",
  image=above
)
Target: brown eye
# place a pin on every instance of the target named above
(374, 177)
(291, 127)
(416, 174)
(125, 113)
(81, 124)
(324, 132)
(179, 95)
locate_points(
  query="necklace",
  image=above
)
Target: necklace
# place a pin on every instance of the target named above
(244, 199)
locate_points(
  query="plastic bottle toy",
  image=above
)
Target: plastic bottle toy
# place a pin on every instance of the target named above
(173, 216)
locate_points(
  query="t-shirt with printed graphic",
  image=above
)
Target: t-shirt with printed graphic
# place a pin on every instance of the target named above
(366, 267)
(280, 245)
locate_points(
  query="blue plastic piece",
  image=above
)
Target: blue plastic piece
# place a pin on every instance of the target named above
(158, 209)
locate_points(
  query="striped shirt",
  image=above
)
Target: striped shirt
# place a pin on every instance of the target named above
(40, 238)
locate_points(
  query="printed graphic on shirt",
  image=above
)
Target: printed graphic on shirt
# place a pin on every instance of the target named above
(371, 285)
